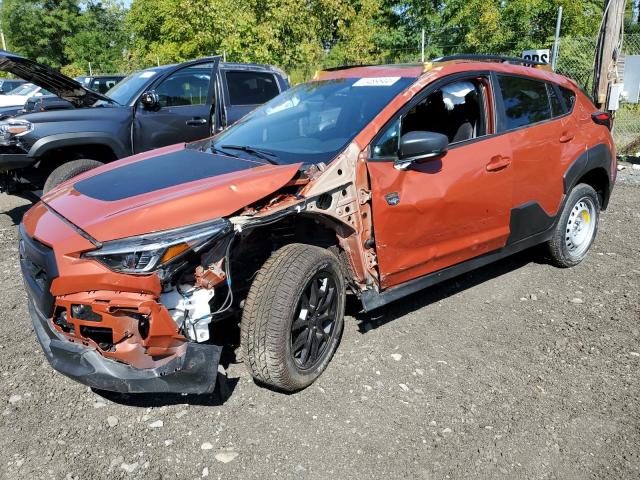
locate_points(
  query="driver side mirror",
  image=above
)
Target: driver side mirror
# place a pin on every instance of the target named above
(150, 100)
(420, 146)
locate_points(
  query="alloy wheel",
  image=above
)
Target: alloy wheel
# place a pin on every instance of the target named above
(314, 324)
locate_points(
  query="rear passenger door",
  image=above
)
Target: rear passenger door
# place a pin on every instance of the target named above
(243, 91)
(533, 115)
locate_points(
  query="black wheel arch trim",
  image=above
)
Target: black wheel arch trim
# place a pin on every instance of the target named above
(529, 219)
(64, 140)
(595, 158)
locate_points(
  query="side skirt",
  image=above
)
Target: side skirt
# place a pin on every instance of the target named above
(372, 299)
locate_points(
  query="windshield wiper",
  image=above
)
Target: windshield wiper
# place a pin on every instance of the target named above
(257, 152)
(213, 149)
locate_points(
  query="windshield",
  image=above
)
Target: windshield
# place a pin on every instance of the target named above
(312, 122)
(126, 91)
(26, 89)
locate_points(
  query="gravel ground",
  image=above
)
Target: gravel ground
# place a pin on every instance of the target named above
(518, 370)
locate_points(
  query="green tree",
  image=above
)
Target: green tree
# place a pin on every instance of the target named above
(37, 28)
(100, 38)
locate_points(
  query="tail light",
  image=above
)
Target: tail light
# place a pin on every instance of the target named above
(602, 118)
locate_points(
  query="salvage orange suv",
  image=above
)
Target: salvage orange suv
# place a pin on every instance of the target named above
(376, 181)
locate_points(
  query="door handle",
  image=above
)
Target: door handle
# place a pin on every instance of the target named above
(498, 163)
(566, 137)
(196, 122)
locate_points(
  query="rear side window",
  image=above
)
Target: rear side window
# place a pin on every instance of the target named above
(557, 108)
(251, 88)
(525, 101)
(569, 97)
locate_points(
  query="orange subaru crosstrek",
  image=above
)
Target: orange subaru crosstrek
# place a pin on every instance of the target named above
(376, 181)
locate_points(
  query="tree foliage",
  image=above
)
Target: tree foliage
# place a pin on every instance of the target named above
(66, 33)
(297, 35)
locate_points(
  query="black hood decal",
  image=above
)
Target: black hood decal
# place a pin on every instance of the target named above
(159, 172)
(50, 79)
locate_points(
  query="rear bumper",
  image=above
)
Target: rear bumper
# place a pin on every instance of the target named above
(194, 372)
(11, 161)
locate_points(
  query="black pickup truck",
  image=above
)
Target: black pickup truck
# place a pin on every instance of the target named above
(149, 109)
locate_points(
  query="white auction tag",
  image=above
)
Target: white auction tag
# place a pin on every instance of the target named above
(376, 82)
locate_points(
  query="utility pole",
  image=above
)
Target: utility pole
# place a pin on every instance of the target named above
(4, 42)
(422, 48)
(556, 42)
(607, 51)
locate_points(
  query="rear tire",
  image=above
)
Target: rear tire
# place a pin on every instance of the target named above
(293, 317)
(576, 228)
(69, 170)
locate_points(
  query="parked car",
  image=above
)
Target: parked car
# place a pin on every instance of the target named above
(375, 181)
(149, 109)
(16, 101)
(44, 103)
(19, 95)
(8, 84)
(100, 83)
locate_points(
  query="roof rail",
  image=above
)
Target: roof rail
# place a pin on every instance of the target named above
(490, 58)
(345, 67)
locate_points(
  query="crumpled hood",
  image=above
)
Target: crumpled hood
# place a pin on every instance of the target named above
(167, 188)
(49, 79)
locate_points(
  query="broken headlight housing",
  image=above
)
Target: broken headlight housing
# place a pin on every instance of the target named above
(9, 129)
(144, 254)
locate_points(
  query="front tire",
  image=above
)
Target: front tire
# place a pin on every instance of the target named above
(576, 228)
(68, 170)
(293, 317)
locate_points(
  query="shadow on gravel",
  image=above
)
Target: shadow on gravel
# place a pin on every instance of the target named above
(15, 214)
(222, 393)
(372, 320)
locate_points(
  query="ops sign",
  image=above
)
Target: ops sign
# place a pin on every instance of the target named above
(542, 56)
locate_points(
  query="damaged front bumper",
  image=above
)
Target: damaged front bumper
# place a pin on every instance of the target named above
(195, 371)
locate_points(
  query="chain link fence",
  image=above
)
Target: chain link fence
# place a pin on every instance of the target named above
(626, 130)
(576, 60)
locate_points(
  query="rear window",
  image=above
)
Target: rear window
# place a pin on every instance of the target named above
(525, 101)
(251, 88)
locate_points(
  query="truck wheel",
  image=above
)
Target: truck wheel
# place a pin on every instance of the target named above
(577, 227)
(69, 170)
(293, 317)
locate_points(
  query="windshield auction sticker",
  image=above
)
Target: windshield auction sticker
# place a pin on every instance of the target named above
(376, 82)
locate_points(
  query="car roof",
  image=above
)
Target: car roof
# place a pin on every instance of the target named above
(249, 66)
(447, 65)
(223, 66)
(102, 75)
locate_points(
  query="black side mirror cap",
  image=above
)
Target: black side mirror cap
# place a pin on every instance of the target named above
(419, 146)
(150, 100)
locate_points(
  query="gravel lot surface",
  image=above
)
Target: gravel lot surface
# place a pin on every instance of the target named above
(519, 370)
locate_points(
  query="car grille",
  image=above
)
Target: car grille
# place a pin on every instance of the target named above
(38, 265)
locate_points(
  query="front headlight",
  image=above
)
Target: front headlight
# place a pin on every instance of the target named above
(15, 127)
(145, 253)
